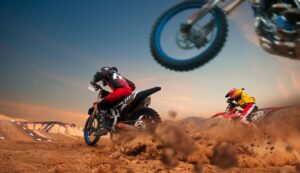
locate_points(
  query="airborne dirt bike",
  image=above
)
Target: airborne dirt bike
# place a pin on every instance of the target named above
(130, 114)
(193, 32)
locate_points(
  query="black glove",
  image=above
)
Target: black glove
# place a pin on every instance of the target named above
(95, 85)
(230, 100)
(232, 103)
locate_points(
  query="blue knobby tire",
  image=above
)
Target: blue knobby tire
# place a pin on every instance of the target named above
(199, 60)
(86, 134)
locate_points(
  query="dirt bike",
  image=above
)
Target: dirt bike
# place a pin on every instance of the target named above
(200, 29)
(233, 115)
(130, 114)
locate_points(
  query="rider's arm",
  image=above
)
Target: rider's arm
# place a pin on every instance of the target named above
(231, 104)
(97, 77)
(131, 84)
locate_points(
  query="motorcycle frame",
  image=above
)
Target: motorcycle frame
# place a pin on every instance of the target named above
(211, 4)
(115, 113)
(116, 116)
(228, 9)
(297, 2)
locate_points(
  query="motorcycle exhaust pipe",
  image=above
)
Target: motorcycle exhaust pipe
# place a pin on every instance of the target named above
(124, 126)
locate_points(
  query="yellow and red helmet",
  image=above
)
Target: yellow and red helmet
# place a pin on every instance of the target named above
(234, 93)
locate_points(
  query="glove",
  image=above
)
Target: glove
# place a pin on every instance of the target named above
(95, 85)
(230, 100)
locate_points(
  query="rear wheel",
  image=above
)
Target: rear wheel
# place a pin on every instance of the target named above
(90, 129)
(146, 118)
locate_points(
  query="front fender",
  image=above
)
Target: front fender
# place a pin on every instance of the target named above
(90, 111)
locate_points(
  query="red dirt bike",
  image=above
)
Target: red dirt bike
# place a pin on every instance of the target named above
(233, 115)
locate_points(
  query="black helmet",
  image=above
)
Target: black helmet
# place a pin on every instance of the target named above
(114, 69)
(105, 71)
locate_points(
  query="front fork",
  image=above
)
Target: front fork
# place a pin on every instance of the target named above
(92, 116)
(187, 26)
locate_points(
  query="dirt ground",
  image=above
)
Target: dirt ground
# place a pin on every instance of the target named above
(175, 146)
(27, 157)
(73, 156)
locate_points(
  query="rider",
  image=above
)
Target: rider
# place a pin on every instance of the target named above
(120, 86)
(242, 100)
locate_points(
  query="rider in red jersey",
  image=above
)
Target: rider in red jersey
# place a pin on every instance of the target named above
(120, 86)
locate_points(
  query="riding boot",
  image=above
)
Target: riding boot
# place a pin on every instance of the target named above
(102, 126)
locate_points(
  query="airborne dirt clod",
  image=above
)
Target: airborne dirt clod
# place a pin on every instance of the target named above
(169, 158)
(190, 145)
(224, 155)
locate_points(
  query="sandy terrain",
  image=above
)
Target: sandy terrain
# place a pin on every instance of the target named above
(203, 145)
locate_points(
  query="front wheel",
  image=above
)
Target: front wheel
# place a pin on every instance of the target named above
(183, 52)
(90, 129)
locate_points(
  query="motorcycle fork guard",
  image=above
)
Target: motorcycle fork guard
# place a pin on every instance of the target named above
(91, 120)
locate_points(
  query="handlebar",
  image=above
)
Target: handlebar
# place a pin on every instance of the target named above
(96, 86)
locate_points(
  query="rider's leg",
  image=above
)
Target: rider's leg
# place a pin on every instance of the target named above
(106, 103)
(247, 111)
(117, 95)
(103, 108)
(102, 111)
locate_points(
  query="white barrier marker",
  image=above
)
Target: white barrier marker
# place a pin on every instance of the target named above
(31, 134)
(2, 138)
(18, 123)
(38, 139)
(24, 128)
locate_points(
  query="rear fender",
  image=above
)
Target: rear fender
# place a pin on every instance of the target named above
(145, 103)
(142, 99)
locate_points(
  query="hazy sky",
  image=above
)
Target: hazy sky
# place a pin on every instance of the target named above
(49, 51)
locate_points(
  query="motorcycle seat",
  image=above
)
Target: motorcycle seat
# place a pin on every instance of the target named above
(126, 99)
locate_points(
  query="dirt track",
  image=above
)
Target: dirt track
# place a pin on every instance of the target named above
(77, 157)
(212, 147)
(68, 157)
